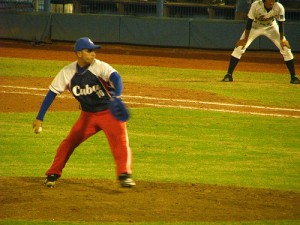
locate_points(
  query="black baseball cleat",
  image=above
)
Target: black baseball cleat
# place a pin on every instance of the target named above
(295, 80)
(50, 180)
(227, 78)
(126, 180)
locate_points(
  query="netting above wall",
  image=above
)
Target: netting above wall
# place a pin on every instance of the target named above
(17, 5)
(202, 9)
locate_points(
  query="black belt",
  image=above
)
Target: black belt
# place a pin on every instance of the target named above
(264, 24)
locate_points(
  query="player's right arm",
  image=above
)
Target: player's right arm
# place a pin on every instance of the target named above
(243, 42)
(58, 85)
(37, 124)
(251, 15)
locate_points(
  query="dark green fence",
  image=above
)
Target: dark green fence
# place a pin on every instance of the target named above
(200, 9)
(152, 31)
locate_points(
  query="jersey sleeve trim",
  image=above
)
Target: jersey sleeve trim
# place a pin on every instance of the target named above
(281, 16)
(54, 90)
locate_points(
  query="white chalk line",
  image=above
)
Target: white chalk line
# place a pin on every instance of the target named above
(179, 100)
(209, 109)
(214, 103)
(35, 94)
(26, 88)
(169, 106)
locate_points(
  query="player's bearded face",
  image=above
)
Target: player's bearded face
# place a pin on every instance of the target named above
(87, 56)
(269, 4)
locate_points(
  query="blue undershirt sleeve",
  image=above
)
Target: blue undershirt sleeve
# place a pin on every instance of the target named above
(117, 81)
(281, 27)
(49, 98)
(249, 24)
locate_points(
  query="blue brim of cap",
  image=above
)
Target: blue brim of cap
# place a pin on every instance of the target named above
(89, 47)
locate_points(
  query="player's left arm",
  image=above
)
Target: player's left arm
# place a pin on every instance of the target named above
(283, 41)
(116, 80)
(117, 107)
(280, 20)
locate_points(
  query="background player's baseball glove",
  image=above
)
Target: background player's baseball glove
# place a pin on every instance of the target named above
(285, 43)
(119, 109)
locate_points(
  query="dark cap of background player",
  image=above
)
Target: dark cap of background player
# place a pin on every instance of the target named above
(84, 43)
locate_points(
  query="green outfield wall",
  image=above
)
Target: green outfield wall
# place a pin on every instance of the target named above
(169, 32)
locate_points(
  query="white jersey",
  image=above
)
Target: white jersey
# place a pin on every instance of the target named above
(264, 24)
(91, 87)
(259, 14)
(62, 80)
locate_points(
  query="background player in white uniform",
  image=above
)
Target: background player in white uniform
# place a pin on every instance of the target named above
(262, 20)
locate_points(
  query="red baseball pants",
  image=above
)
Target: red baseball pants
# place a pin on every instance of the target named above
(87, 125)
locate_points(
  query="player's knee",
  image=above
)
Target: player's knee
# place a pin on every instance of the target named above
(238, 52)
(287, 54)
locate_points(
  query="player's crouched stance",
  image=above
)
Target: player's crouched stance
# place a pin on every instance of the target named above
(98, 87)
(262, 18)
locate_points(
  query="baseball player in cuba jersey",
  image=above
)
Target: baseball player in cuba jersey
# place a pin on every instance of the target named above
(94, 84)
(265, 17)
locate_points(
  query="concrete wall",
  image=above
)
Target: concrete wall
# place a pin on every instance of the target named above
(170, 32)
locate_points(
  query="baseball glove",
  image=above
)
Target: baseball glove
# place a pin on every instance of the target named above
(285, 43)
(118, 109)
(242, 43)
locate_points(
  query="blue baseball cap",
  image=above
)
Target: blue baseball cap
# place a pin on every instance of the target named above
(84, 43)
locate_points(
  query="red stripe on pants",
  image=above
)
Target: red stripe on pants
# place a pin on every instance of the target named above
(87, 125)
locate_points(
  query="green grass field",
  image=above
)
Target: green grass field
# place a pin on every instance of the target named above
(190, 146)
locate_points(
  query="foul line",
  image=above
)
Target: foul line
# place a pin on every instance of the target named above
(209, 109)
(177, 100)
(30, 93)
(214, 103)
(170, 100)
